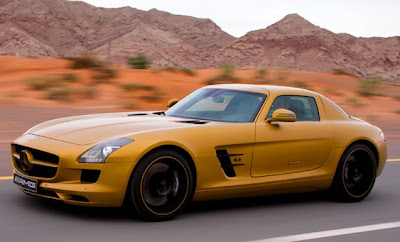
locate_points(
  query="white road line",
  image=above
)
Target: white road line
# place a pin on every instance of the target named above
(332, 233)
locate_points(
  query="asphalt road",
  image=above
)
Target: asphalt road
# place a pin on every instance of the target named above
(26, 218)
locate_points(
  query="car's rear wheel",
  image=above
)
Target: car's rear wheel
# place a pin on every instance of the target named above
(161, 185)
(355, 174)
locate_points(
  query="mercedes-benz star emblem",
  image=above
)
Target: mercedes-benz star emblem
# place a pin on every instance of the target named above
(24, 161)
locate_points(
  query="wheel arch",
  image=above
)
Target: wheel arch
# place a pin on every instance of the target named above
(370, 145)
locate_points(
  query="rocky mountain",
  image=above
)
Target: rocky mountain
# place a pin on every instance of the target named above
(295, 43)
(60, 28)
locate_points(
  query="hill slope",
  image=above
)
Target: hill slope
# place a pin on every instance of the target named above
(58, 28)
(295, 43)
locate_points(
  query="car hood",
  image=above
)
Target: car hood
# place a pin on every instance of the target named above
(89, 129)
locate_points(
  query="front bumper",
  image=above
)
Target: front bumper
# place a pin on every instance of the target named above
(382, 150)
(75, 183)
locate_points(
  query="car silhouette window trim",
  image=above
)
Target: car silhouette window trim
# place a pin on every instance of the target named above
(315, 115)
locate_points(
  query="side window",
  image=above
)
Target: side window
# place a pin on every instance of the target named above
(304, 107)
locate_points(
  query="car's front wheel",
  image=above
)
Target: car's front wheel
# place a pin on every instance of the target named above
(161, 185)
(355, 174)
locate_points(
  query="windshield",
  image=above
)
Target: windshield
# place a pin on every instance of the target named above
(219, 105)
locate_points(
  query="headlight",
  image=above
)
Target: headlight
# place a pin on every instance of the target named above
(100, 152)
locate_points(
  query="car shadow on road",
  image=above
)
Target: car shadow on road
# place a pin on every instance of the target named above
(256, 202)
(57, 208)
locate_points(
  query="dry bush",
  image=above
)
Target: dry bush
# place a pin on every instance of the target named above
(138, 62)
(369, 86)
(59, 94)
(226, 75)
(184, 70)
(354, 101)
(128, 104)
(87, 92)
(69, 77)
(333, 91)
(85, 62)
(103, 74)
(137, 86)
(396, 97)
(40, 83)
(150, 98)
(339, 71)
(300, 84)
(261, 75)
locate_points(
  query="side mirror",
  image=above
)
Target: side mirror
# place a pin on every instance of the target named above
(172, 102)
(282, 115)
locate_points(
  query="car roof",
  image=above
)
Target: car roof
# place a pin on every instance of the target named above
(266, 89)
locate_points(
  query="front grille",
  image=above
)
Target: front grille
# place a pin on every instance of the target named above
(41, 164)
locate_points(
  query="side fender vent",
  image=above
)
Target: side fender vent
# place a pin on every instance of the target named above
(226, 163)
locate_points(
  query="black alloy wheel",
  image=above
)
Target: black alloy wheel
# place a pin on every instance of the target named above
(161, 185)
(355, 175)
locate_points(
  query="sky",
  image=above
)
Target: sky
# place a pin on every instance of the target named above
(361, 18)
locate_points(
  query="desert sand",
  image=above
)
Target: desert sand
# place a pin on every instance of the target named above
(22, 107)
(156, 87)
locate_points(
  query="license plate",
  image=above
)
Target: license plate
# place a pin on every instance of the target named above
(26, 183)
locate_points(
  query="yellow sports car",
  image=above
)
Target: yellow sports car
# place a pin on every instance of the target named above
(220, 142)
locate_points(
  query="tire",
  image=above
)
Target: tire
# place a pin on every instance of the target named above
(160, 186)
(355, 175)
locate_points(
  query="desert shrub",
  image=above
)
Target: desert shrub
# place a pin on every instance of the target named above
(188, 71)
(138, 62)
(227, 70)
(128, 104)
(150, 98)
(59, 94)
(103, 74)
(85, 62)
(261, 75)
(69, 77)
(369, 86)
(339, 71)
(397, 111)
(185, 70)
(221, 79)
(42, 82)
(300, 84)
(354, 101)
(137, 86)
(211, 81)
(226, 75)
(87, 92)
(381, 94)
(170, 68)
(282, 75)
(396, 97)
(333, 91)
